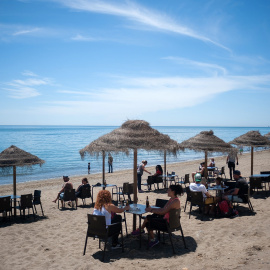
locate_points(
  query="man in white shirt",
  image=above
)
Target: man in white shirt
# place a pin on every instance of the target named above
(208, 198)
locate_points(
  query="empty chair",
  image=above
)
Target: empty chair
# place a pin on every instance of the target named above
(69, 195)
(5, 205)
(221, 172)
(173, 225)
(26, 202)
(97, 229)
(184, 181)
(120, 191)
(37, 201)
(256, 184)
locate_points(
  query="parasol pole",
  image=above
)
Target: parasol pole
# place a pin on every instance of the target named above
(251, 160)
(205, 166)
(14, 188)
(135, 198)
(165, 162)
(103, 167)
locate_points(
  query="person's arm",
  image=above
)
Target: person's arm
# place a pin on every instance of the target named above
(146, 170)
(227, 160)
(115, 209)
(78, 188)
(162, 211)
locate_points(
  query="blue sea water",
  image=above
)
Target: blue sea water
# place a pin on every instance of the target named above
(59, 146)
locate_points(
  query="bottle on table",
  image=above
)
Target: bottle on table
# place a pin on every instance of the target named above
(147, 202)
(105, 183)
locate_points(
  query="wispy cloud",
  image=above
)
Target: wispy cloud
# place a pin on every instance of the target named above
(79, 37)
(26, 31)
(29, 73)
(201, 65)
(27, 88)
(139, 14)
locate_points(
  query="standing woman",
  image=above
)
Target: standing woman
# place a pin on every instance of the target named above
(161, 215)
(231, 158)
(105, 207)
(140, 169)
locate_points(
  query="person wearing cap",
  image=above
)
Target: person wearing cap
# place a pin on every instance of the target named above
(237, 194)
(66, 185)
(208, 198)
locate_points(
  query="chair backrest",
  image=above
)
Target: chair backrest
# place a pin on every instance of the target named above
(5, 204)
(161, 203)
(26, 201)
(222, 170)
(174, 218)
(173, 173)
(125, 188)
(69, 195)
(130, 189)
(86, 191)
(37, 195)
(196, 198)
(265, 172)
(186, 179)
(255, 183)
(96, 226)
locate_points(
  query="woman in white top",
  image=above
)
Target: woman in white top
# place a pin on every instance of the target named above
(105, 207)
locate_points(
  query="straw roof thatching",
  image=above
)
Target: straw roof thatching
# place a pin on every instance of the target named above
(267, 135)
(133, 134)
(14, 156)
(252, 138)
(206, 141)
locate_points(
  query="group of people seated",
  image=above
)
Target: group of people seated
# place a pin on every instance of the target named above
(236, 194)
(68, 186)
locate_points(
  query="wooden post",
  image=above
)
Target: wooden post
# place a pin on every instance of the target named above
(251, 160)
(205, 166)
(165, 167)
(14, 189)
(135, 197)
(103, 167)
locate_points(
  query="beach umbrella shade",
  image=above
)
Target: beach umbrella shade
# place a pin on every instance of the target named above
(206, 141)
(252, 139)
(131, 136)
(267, 135)
(14, 157)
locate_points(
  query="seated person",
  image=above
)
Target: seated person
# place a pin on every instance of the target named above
(78, 192)
(212, 163)
(161, 215)
(208, 198)
(201, 171)
(241, 188)
(105, 207)
(154, 177)
(219, 182)
(66, 186)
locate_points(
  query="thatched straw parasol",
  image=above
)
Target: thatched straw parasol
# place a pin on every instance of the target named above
(206, 141)
(253, 139)
(132, 135)
(14, 156)
(267, 135)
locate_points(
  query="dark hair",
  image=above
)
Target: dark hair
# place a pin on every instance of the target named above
(85, 179)
(159, 168)
(178, 190)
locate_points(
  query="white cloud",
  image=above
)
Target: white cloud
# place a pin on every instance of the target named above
(79, 37)
(138, 14)
(29, 73)
(26, 31)
(27, 88)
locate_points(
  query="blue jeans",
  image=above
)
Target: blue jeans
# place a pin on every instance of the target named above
(139, 181)
(110, 168)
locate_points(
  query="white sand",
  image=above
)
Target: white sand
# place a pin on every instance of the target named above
(57, 241)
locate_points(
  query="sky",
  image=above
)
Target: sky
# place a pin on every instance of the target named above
(102, 62)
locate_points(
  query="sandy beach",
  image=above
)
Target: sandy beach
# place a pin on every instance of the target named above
(57, 240)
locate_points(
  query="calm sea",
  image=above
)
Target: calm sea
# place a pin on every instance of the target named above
(59, 146)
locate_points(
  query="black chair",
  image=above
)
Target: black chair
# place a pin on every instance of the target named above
(221, 172)
(196, 199)
(267, 179)
(256, 184)
(5, 205)
(246, 200)
(85, 193)
(173, 225)
(97, 229)
(120, 191)
(37, 201)
(26, 202)
(184, 181)
(161, 203)
(188, 199)
(69, 195)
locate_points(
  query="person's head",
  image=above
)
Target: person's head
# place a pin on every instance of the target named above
(84, 181)
(158, 167)
(144, 162)
(212, 159)
(198, 178)
(65, 178)
(175, 190)
(236, 175)
(202, 164)
(218, 181)
(104, 197)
